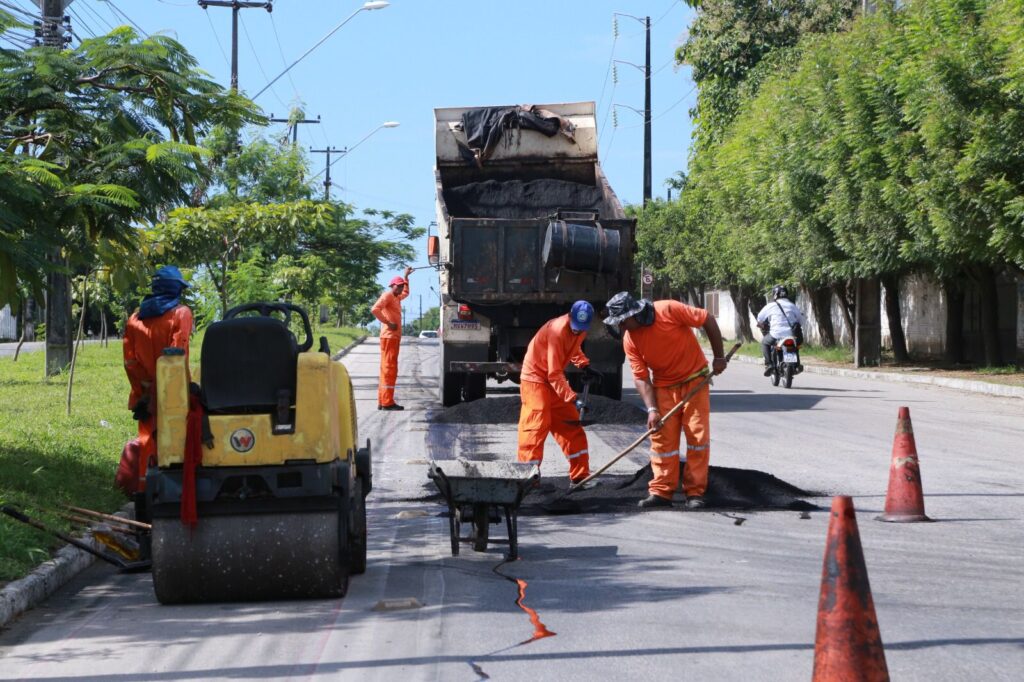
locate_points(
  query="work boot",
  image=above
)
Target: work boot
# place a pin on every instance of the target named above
(695, 502)
(654, 502)
(394, 407)
(586, 486)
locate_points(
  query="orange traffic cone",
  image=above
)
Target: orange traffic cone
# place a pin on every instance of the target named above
(848, 645)
(904, 502)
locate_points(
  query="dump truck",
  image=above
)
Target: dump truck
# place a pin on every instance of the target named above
(526, 225)
(276, 485)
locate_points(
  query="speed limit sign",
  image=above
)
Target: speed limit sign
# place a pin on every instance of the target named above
(648, 279)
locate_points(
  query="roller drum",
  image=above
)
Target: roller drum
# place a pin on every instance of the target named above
(251, 557)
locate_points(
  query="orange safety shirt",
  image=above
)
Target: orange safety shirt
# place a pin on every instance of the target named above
(551, 349)
(388, 308)
(144, 342)
(668, 348)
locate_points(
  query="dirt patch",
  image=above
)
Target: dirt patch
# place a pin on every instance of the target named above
(505, 410)
(515, 199)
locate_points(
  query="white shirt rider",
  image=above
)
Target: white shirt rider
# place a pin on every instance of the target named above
(781, 324)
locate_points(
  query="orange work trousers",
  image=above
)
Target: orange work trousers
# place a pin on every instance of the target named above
(544, 412)
(388, 371)
(695, 421)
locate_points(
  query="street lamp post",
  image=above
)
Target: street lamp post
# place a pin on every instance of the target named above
(340, 153)
(375, 4)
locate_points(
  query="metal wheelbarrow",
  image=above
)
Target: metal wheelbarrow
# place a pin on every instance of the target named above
(477, 491)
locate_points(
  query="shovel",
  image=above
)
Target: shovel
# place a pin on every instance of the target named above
(564, 506)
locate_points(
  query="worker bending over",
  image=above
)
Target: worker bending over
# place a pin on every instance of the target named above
(666, 358)
(549, 403)
(388, 309)
(160, 322)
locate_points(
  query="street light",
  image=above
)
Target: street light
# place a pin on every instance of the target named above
(374, 4)
(347, 150)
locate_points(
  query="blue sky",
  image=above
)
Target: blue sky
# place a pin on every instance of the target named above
(401, 62)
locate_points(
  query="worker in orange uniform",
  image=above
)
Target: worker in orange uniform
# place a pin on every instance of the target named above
(160, 322)
(388, 309)
(666, 358)
(549, 403)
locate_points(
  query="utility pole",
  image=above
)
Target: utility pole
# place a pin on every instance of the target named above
(294, 125)
(327, 179)
(647, 115)
(421, 312)
(235, 6)
(58, 284)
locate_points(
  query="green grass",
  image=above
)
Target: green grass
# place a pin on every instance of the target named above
(1005, 370)
(837, 354)
(337, 337)
(48, 458)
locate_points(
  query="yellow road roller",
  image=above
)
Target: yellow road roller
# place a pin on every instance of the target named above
(278, 488)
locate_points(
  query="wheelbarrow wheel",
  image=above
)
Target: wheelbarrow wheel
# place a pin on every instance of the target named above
(455, 527)
(481, 527)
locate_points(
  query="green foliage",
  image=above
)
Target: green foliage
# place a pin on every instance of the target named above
(891, 147)
(96, 140)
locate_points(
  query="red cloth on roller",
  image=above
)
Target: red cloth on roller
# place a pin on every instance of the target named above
(193, 458)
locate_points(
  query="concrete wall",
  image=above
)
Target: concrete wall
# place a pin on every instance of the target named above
(8, 325)
(923, 309)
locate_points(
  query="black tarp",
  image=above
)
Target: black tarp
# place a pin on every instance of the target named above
(515, 199)
(486, 127)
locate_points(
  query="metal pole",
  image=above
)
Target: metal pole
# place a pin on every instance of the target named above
(234, 47)
(647, 116)
(421, 312)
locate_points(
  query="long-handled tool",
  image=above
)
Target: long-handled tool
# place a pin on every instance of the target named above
(632, 446)
(125, 566)
(586, 406)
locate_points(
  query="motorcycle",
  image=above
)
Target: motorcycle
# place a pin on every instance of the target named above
(785, 362)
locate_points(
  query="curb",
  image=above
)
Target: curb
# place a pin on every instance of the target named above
(984, 387)
(25, 593)
(344, 351)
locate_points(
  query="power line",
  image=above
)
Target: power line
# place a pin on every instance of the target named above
(217, 38)
(128, 18)
(20, 10)
(85, 24)
(245, 30)
(96, 15)
(284, 60)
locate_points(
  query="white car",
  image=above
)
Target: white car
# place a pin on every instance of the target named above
(428, 334)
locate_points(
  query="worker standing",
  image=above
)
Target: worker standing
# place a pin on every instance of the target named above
(666, 358)
(549, 405)
(160, 322)
(388, 309)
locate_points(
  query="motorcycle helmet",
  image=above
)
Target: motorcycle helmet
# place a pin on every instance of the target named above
(779, 291)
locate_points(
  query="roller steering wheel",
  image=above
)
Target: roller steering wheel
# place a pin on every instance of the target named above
(265, 309)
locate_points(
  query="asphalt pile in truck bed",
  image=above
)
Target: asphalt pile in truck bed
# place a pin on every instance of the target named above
(517, 199)
(728, 489)
(505, 410)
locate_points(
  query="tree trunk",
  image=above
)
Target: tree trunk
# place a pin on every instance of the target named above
(842, 292)
(21, 342)
(954, 354)
(989, 315)
(28, 325)
(892, 312)
(741, 318)
(821, 303)
(78, 339)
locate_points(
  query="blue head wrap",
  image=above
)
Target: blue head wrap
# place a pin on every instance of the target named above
(167, 287)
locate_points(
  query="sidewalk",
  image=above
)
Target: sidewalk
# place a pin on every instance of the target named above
(905, 376)
(7, 348)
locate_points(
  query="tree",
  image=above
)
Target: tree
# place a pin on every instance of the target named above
(95, 141)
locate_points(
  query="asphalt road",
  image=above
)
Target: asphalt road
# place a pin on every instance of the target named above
(628, 596)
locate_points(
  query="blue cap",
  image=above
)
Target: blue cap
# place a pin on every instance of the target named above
(172, 273)
(580, 316)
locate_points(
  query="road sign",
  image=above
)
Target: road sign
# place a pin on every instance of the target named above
(648, 279)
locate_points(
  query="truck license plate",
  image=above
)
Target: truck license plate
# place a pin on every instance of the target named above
(789, 357)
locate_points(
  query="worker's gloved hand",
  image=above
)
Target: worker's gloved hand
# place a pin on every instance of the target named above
(591, 375)
(141, 410)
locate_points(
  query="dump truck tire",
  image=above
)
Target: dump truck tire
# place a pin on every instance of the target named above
(251, 556)
(357, 539)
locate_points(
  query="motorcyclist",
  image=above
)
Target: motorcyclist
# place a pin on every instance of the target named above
(776, 321)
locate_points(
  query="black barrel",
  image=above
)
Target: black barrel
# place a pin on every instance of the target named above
(583, 248)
